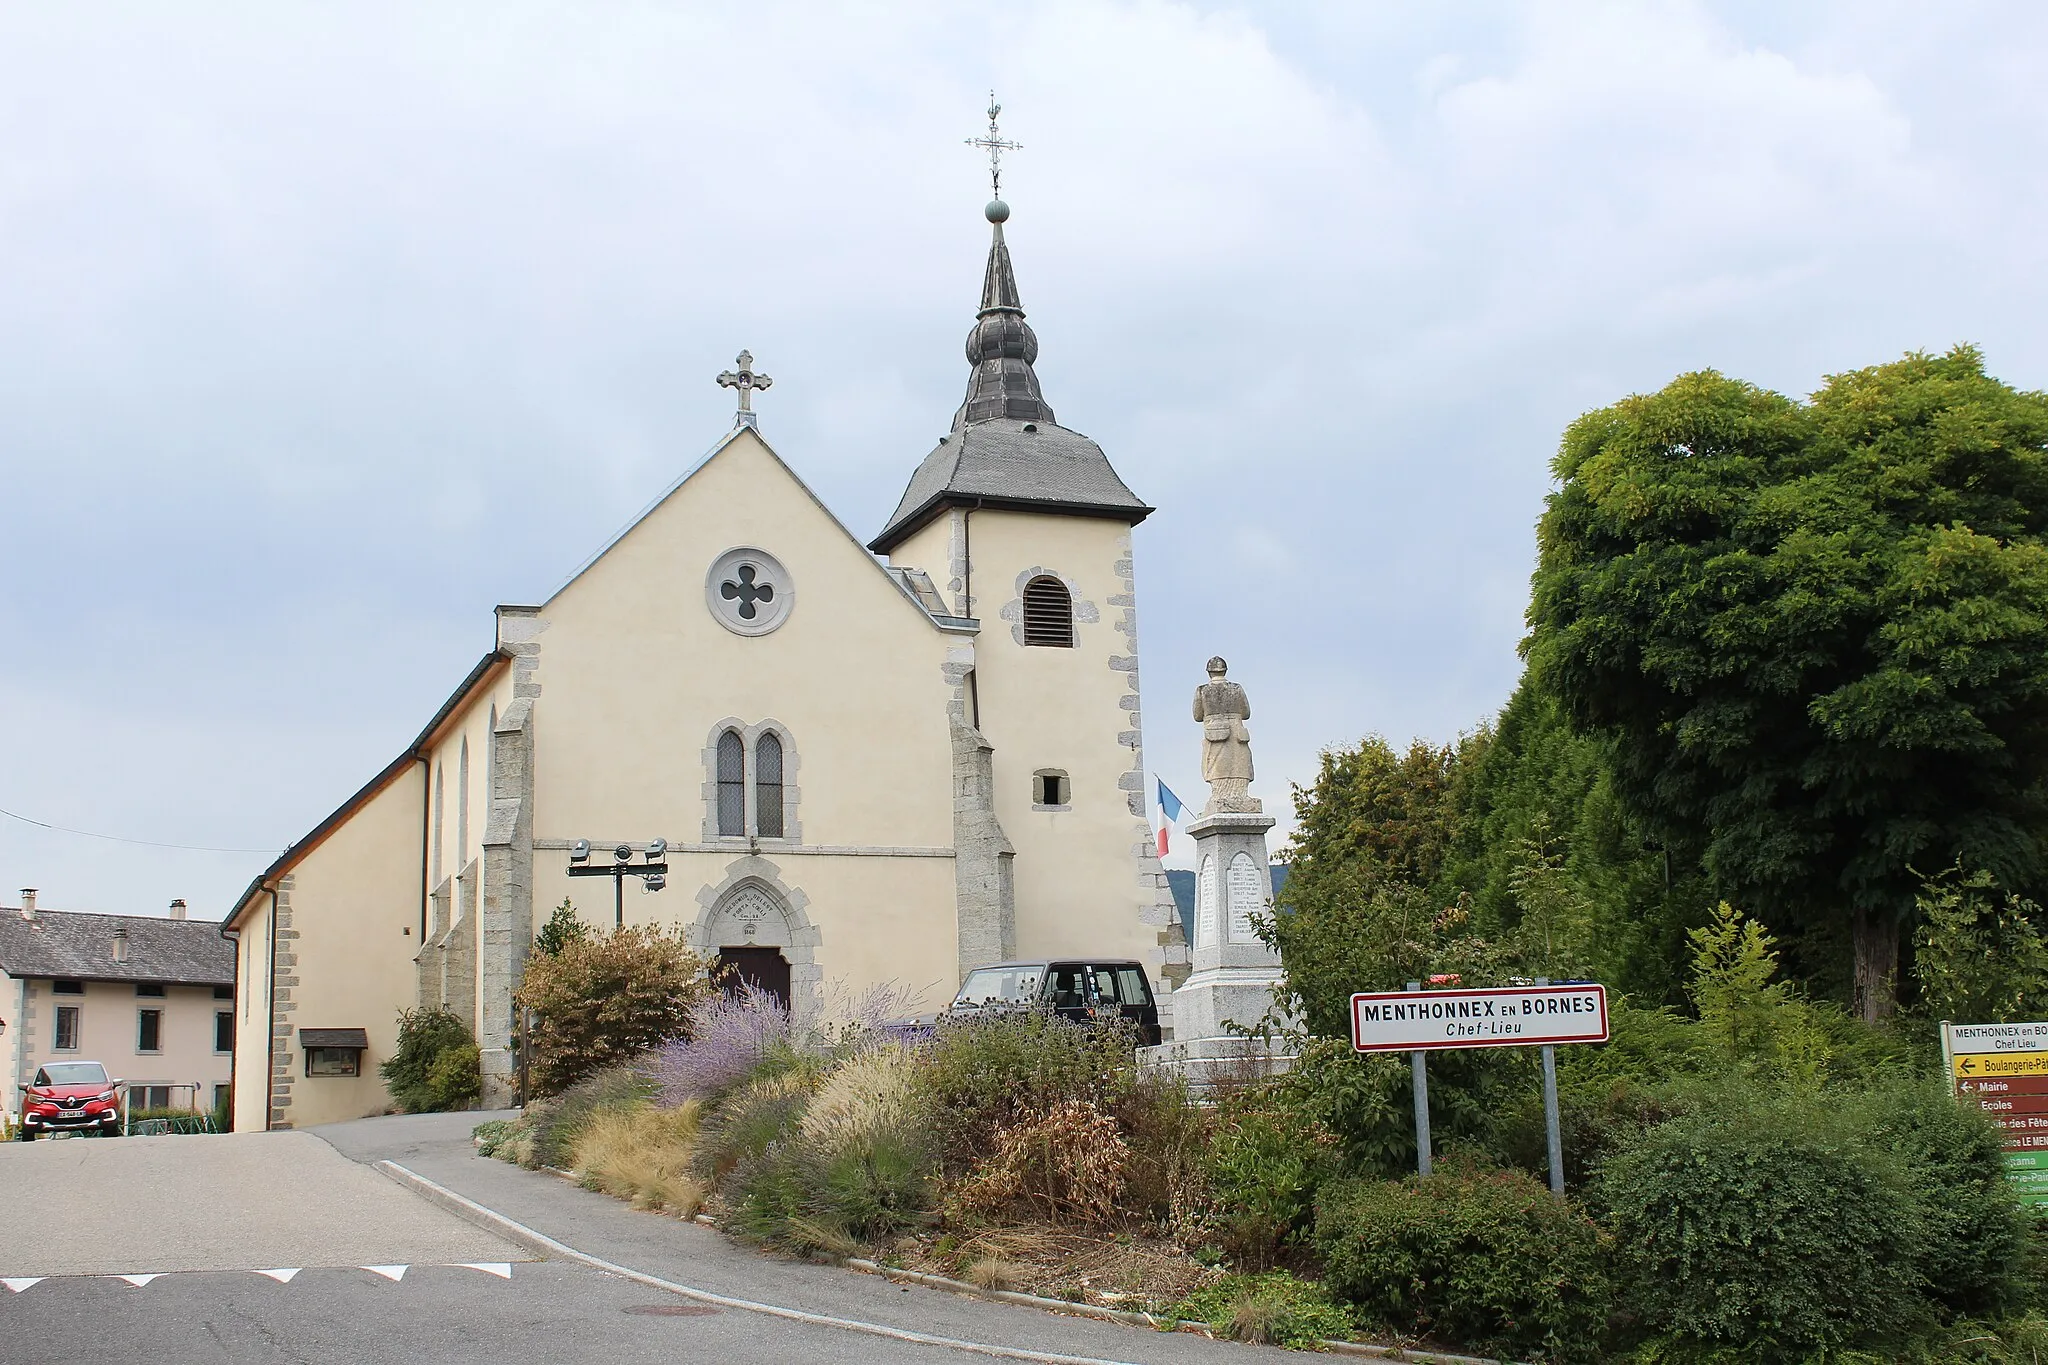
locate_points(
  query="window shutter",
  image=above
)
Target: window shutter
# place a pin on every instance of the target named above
(1048, 613)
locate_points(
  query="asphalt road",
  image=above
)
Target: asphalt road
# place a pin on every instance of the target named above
(380, 1273)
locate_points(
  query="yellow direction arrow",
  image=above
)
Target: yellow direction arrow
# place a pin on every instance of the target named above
(1974, 1064)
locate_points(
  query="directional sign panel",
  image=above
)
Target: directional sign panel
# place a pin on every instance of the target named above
(2002, 1069)
(1991, 1065)
(1510, 1016)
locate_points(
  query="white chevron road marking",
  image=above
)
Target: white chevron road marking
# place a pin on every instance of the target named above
(20, 1282)
(137, 1280)
(281, 1276)
(393, 1273)
(502, 1269)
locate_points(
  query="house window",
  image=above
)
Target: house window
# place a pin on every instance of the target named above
(153, 989)
(67, 988)
(1050, 788)
(1048, 613)
(768, 787)
(149, 1031)
(223, 1030)
(334, 1061)
(223, 1096)
(141, 1097)
(732, 784)
(223, 992)
(67, 1029)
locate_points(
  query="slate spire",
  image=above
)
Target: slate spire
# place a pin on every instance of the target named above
(1002, 346)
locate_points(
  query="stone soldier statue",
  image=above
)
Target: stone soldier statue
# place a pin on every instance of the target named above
(1222, 708)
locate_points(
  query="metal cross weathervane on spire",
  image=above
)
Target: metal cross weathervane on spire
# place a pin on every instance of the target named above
(996, 144)
(746, 381)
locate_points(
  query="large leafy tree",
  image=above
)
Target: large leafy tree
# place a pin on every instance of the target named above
(1816, 634)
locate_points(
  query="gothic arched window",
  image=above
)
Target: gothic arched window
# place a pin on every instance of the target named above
(768, 786)
(732, 783)
(1048, 613)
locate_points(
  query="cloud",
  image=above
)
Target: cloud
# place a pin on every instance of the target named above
(332, 327)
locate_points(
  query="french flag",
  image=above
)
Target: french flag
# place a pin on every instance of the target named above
(1169, 812)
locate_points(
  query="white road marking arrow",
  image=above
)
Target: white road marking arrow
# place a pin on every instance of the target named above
(20, 1282)
(137, 1280)
(502, 1269)
(281, 1276)
(393, 1273)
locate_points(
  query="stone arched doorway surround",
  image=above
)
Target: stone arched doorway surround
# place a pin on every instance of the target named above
(754, 896)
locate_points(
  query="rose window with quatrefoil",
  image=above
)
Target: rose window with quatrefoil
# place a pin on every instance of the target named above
(749, 591)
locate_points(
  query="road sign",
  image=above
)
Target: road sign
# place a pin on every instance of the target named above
(1990, 1065)
(2002, 1069)
(1997, 1037)
(2003, 1085)
(1511, 1016)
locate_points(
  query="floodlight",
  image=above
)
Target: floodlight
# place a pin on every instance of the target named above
(579, 852)
(623, 853)
(656, 882)
(657, 850)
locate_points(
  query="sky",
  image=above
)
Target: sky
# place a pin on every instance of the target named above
(327, 328)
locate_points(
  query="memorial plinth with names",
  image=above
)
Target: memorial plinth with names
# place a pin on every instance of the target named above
(1233, 973)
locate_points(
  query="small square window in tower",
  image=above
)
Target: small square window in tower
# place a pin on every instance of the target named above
(1048, 613)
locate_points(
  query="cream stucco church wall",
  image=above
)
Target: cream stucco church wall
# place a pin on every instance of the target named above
(911, 714)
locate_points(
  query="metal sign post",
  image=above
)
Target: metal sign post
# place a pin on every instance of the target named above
(1552, 1129)
(1423, 1163)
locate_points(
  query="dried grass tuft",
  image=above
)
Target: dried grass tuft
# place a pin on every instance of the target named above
(989, 1273)
(642, 1154)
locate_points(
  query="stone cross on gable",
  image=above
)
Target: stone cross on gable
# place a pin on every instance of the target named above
(746, 381)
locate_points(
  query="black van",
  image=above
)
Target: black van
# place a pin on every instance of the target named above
(1087, 990)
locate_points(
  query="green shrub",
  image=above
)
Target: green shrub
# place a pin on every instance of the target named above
(601, 1000)
(455, 1080)
(1483, 1258)
(1167, 1134)
(1273, 1309)
(1262, 1164)
(564, 927)
(1971, 1243)
(1763, 1226)
(425, 1036)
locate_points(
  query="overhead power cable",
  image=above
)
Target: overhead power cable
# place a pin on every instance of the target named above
(117, 839)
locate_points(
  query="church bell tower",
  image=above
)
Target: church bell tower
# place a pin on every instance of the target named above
(1024, 530)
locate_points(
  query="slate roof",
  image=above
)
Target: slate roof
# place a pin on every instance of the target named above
(1003, 462)
(1005, 449)
(79, 946)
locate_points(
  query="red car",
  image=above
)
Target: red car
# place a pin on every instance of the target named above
(70, 1097)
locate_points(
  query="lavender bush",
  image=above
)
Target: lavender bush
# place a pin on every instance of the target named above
(729, 1035)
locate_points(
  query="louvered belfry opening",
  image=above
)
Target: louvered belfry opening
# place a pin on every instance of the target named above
(732, 784)
(768, 786)
(1048, 613)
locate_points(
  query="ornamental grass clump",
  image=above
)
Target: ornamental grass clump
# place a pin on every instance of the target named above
(978, 1076)
(827, 1166)
(641, 1154)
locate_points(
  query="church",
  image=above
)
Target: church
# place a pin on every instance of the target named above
(857, 763)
